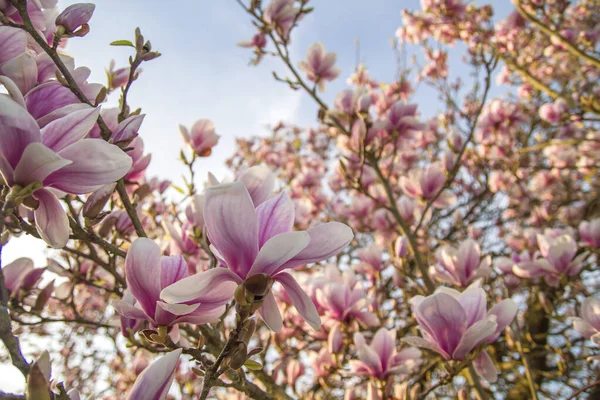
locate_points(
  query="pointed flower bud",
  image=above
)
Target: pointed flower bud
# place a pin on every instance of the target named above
(75, 16)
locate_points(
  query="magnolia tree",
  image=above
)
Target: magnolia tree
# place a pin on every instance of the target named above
(375, 254)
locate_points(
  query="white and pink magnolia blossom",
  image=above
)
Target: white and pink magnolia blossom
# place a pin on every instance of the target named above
(33, 161)
(255, 246)
(319, 65)
(21, 276)
(201, 138)
(558, 259)
(462, 266)
(453, 324)
(588, 322)
(155, 381)
(590, 232)
(425, 183)
(379, 359)
(148, 273)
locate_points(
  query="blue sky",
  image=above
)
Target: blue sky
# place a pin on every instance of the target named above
(203, 74)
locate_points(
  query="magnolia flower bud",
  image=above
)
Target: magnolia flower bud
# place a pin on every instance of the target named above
(75, 16)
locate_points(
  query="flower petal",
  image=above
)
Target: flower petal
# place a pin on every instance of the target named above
(51, 220)
(37, 162)
(505, 312)
(192, 287)
(22, 70)
(260, 182)
(305, 306)
(143, 271)
(473, 336)
(425, 344)
(384, 344)
(65, 131)
(178, 309)
(231, 225)
(269, 311)
(155, 381)
(95, 164)
(172, 269)
(485, 368)
(277, 251)
(19, 129)
(275, 216)
(326, 240)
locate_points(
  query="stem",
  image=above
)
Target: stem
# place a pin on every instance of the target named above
(213, 372)
(525, 363)
(583, 389)
(474, 381)
(131, 211)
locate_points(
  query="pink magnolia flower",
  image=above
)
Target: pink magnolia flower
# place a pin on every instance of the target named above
(259, 41)
(425, 183)
(258, 244)
(281, 14)
(202, 137)
(590, 232)
(117, 77)
(371, 260)
(379, 359)
(557, 259)
(453, 324)
(402, 119)
(57, 157)
(75, 16)
(148, 273)
(340, 298)
(588, 324)
(319, 65)
(462, 266)
(20, 275)
(155, 381)
(552, 113)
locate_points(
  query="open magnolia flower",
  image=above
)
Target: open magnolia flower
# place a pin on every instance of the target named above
(254, 247)
(36, 163)
(454, 324)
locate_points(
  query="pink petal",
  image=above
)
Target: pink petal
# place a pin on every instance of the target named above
(22, 70)
(143, 272)
(275, 216)
(129, 310)
(178, 309)
(270, 313)
(473, 336)
(326, 240)
(95, 164)
(155, 381)
(425, 344)
(48, 97)
(504, 312)
(384, 344)
(232, 225)
(19, 129)
(191, 288)
(305, 306)
(172, 269)
(51, 220)
(277, 251)
(13, 41)
(485, 368)
(259, 181)
(67, 130)
(37, 163)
